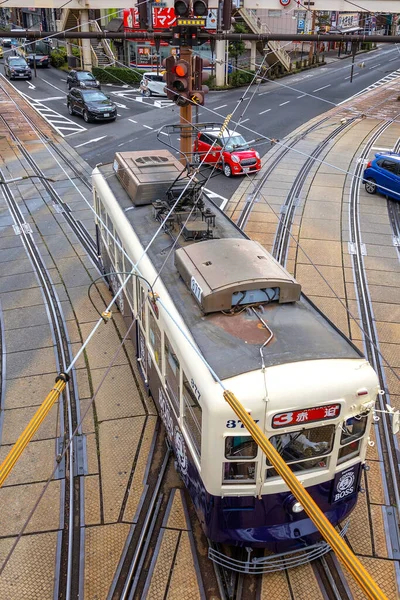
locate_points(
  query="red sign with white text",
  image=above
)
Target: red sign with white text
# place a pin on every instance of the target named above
(306, 415)
(163, 18)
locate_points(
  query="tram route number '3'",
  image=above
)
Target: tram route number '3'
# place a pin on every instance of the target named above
(231, 424)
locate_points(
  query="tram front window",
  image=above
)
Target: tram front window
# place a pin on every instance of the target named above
(304, 449)
(352, 430)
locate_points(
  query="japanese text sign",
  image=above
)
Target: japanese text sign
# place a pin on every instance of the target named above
(307, 415)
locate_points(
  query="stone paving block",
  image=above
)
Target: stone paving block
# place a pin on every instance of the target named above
(275, 585)
(375, 484)
(379, 533)
(28, 391)
(388, 332)
(17, 503)
(384, 278)
(102, 346)
(67, 311)
(387, 312)
(25, 317)
(103, 548)
(160, 575)
(31, 567)
(92, 500)
(359, 531)
(303, 581)
(119, 441)
(320, 229)
(382, 571)
(15, 268)
(389, 295)
(373, 451)
(320, 252)
(322, 193)
(28, 338)
(177, 516)
(117, 397)
(87, 418)
(384, 251)
(16, 419)
(35, 464)
(73, 273)
(322, 210)
(24, 281)
(313, 284)
(11, 242)
(391, 352)
(381, 264)
(252, 226)
(30, 362)
(184, 584)
(82, 305)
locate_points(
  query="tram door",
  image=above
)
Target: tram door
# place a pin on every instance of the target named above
(141, 330)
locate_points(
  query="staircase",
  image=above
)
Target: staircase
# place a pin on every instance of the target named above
(102, 54)
(277, 53)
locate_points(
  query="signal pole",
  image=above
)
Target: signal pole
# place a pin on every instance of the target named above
(186, 112)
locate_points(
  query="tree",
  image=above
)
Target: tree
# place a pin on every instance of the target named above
(238, 48)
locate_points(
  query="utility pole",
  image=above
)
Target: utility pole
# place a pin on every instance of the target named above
(186, 111)
(312, 44)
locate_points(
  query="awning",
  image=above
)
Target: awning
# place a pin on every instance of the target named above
(349, 30)
(115, 25)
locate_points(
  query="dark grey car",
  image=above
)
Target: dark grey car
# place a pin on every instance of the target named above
(16, 67)
(83, 79)
(92, 105)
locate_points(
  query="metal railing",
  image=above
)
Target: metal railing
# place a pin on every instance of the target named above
(94, 26)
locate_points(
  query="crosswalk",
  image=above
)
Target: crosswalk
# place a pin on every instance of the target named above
(135, 96)
(62, 124)
(392, 77)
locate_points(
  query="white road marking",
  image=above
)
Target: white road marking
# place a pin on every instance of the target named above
(163, 133)
(263, 93)
(213, 195)
(121, 105)
(91, 141)
(322, 88)
(132, 121)
(218, 107)
(54, 86)
(60, 123)
(31, 86)
(283, 103)
(302, 96)
(148, 127)
(63, 80)
(354, 75)
(264, 111)
(49, 99)
(392, 59)
(244, 120)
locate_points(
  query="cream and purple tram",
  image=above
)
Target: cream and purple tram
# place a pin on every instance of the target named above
(226, 305)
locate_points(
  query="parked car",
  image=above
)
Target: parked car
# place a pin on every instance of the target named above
(16, 67)
(1, 52)
(83, 79)
(230, 152)
(383, 175)
(152, 84)
(93, 105)
(6, 42)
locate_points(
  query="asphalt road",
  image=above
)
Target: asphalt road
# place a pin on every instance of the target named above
(273, 109)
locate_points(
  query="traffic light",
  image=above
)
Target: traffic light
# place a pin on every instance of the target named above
(182, 8)
(200, 8)
(143, 14)
(178, 77)
(198, 91)
(226, 21)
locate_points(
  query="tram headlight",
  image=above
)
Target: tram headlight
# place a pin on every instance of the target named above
(297, 507)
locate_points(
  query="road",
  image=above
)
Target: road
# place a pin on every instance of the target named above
(272, 109)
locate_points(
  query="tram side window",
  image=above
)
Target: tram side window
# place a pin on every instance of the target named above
(103, 216)
(239, 446)
(191, 415)
(352, 431)
(141, 296)
(155, 338)
(119, 257)
(110, 240)
(172, 372)
(304, 449)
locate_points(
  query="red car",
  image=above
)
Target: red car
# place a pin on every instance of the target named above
(230, 152)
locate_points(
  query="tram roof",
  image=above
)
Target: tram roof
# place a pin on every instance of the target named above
(231, 344)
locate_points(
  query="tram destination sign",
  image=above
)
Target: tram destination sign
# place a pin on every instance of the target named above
(306, 415)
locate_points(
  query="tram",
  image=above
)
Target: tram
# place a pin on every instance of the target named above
(228, 312)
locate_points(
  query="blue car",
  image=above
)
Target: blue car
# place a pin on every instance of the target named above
(383, 175)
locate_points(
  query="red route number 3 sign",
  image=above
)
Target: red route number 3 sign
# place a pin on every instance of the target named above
(306, 415)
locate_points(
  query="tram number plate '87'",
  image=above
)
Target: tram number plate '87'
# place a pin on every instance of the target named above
(232, 423)
(306, 415)
(196, 289)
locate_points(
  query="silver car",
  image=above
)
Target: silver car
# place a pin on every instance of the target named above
(152, 84)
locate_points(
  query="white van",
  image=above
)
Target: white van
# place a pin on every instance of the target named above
(152, 84)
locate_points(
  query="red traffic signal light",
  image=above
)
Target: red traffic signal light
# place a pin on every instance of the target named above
(178, 78)
(182, 8)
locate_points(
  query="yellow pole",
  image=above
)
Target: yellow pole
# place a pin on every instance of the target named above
(30, 430)
(338, 545)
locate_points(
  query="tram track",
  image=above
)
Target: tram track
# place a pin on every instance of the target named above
(68, 567)
(387, 447)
